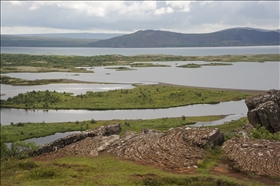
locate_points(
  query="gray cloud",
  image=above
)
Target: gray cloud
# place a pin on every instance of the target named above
(128, 16)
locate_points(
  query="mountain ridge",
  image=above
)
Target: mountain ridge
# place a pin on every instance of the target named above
(151, 39)
(156, 38)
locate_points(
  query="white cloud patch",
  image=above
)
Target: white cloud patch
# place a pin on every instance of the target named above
(163, 10)
(181, 6)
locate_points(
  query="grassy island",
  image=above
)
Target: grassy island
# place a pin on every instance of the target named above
(120, 68)
(148, 65)
(193, 65)
(141, 97)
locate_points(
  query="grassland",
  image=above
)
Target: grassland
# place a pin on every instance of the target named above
(141, 97)
(23, 82)
(102, 170)
(108, 170)
(50, 63)
(22, 131)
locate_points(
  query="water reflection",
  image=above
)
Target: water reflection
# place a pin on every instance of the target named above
(21, 115)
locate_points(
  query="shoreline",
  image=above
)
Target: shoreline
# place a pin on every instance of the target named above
(247, 91)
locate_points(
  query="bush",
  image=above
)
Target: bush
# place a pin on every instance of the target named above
(261, 133)
(21, 149)
(27, 165)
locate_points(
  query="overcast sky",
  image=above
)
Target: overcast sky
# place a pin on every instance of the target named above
(29, 17)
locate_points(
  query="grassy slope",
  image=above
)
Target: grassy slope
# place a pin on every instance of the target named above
(108, 170)
(141, 97)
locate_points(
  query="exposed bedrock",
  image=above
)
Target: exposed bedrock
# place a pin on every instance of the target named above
(261, 157)
(265, 110)
(178, 149)
(70, 139)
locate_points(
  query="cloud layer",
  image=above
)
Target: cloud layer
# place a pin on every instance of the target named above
(129, 16)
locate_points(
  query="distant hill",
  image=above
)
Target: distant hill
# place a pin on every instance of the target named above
(43, 41)
(148, 39)
(229, 37)
(96, 36)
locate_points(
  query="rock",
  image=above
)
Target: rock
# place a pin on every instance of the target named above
(178, 149)
(204, 136)
(265, 110)
(261, 157)
(73, 138)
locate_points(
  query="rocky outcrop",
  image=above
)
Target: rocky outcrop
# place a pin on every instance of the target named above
(261, 157)
(73, 138)
(265, 110)
(178, 149)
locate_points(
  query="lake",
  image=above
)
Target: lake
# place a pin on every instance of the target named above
(21, 115)
(183, 51)
(241, 75)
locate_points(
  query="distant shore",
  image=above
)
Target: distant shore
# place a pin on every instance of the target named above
(247, 91)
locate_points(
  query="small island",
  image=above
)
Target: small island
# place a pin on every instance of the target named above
(193, 65)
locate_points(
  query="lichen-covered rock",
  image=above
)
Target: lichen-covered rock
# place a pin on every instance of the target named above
(261, 157)
(265, 110)
(178, 149)
(73, 138)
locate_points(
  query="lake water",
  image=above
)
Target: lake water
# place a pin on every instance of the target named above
(240, 75)
(21, 115)
(184, 51)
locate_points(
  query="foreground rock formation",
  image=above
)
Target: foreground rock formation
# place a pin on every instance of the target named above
(265, 110)
(261, 157)
(178, 149)
(73, 138)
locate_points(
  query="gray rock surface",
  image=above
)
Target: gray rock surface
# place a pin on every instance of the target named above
(261, 157)
(178, 149)
(265, 110)
(73, 138)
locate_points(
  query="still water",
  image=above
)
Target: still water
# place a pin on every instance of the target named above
(21, 115)
(183, 51)
(240, 75)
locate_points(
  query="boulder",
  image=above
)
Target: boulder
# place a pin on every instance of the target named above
(73, 138)
(259, 156)
(264, 110)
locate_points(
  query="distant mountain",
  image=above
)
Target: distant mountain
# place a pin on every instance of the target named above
(148, 39)
(96, 36)
(229, 37)
(43, 41)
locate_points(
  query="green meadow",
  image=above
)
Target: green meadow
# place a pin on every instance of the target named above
(141, 97)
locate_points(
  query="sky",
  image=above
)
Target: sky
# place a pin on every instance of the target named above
(123, 17)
